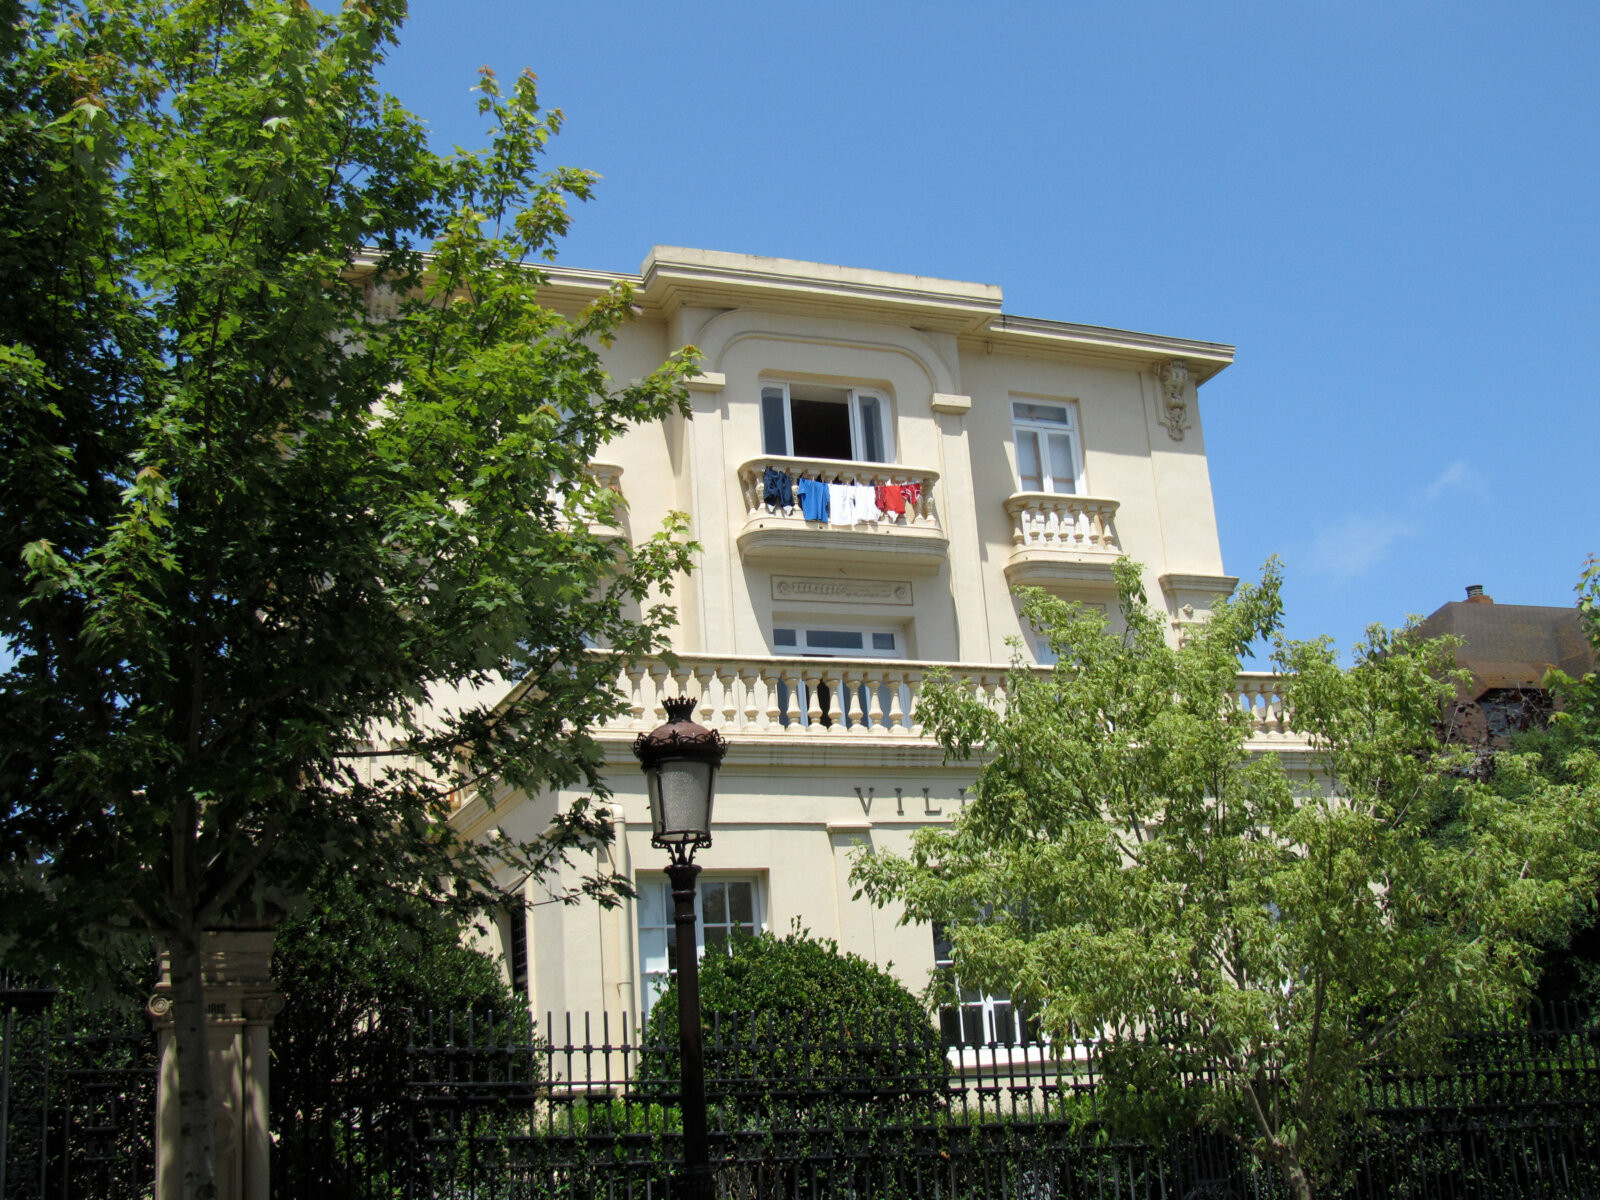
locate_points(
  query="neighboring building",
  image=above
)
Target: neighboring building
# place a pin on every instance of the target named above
(1014, 450)
(1508, 648)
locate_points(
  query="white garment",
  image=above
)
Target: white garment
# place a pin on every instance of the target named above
(866, 502)
(841, 504)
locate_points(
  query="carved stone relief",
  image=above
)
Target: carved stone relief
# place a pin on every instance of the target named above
(841, 591)
(1175, 397)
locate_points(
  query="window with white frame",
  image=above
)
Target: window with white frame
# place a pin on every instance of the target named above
(978, 1018)
(809, 420)
(859, 641)
(1048, 454)
(726, 907)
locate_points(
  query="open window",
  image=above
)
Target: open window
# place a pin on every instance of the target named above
(809, 420)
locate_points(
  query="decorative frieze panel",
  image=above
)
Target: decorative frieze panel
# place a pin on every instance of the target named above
(841, 591)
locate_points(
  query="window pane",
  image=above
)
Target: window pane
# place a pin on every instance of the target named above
(716, 938)
(783, 637)
(714, 901)
(949, 1027)
(741, 905)
(1003, 1029)
(653, 904)
(1029, 473)
(883, 641)
(972, 1026)
(653, 950)
(871, 448)
(1054, 414)
(1061, 473)
(821, 428)
(833, 639)
(774, 432)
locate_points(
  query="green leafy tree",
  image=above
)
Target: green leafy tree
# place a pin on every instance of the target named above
(357, 971)
(1566, 752)
(263, 554)
(794, 1022)
(1246, 943)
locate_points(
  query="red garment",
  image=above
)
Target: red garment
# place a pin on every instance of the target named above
(891, 498)
(912, 493)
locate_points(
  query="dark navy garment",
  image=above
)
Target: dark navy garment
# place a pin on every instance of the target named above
(777, 488)
(813, 499)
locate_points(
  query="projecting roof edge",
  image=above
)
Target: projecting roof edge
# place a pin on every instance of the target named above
(675, 275)
(1039, 335)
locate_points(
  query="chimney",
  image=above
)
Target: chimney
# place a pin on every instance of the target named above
(1475, 594)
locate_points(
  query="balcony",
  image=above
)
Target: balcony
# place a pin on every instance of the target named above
(845, 699)
(1062, 541)
(913, 542)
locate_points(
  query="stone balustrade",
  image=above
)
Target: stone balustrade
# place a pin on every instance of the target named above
(1047, 521)
(922, 512)
(847, 697)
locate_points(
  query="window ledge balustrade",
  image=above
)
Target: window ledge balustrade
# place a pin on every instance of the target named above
(846, 699)
(1059, 540)
(913, 541)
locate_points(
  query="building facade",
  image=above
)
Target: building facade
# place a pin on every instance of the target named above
(873, 462)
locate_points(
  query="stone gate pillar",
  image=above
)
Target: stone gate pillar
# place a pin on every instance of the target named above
(241, 1000)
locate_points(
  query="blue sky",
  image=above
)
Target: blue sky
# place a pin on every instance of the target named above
(1392, 210)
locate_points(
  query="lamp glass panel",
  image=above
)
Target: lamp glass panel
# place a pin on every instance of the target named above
(680, 800)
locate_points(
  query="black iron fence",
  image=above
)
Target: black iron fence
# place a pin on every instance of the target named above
(839, 1107)
(585, 1109)
(77, 1099)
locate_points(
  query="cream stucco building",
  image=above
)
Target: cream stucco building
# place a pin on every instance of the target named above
(1022, 451)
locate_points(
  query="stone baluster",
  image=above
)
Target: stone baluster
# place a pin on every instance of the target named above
(813, 678)
(704, 675)
(875, 702)
(747, 681)
(836, 705)
(636, 675)
(794, 714)
(897, 713)
(659, 675)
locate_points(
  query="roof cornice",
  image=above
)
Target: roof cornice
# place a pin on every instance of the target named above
(675, 277)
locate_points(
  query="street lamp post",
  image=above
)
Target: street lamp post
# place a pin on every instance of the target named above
(680, 761)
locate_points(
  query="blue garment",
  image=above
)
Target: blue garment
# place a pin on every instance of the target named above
(777, 488)
(813, 499)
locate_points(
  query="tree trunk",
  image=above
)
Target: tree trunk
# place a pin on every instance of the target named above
(1299, 1182)
(196, 1104)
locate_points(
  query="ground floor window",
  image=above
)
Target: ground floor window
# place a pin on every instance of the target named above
(978, 1018)
(727, 906)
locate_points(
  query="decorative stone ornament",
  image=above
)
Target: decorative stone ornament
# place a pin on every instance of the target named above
(1175, 397)
(680, 761)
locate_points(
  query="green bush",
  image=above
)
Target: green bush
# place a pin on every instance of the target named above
(793, 1025)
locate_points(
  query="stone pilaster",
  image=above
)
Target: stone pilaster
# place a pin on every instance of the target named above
(241, 1000)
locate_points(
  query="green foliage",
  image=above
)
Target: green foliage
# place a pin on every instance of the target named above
(250, 533)
(793, 1021)
(356, 970)
(1247, 938)
(285, 504)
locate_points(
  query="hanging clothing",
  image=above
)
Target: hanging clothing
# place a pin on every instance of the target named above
(891, 499)
(813, 499)
(866, 501)
(777, 488)
(841, 504)
(913, 494)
